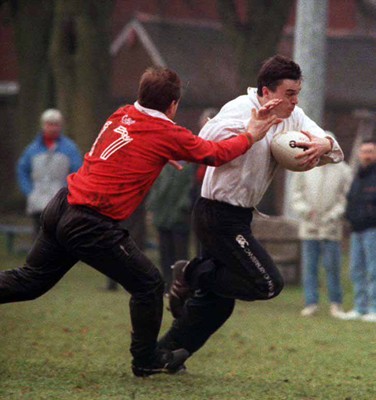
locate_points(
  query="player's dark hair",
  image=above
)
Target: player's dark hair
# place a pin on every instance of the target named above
(369, 141)
(158, 88)
(274, 70)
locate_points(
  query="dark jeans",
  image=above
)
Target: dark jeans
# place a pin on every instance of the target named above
(234, 266)
(73, 233)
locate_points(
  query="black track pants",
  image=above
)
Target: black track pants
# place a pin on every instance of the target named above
(234, 266)
(71, 233)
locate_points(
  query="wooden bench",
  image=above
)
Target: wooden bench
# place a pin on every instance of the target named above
(286, 253)
(279, 236)
(11, 232)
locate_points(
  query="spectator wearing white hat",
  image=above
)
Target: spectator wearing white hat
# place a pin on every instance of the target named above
(45, 164)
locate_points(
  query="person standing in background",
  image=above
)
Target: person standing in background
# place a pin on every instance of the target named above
(170, 203)
(45, 164)
(319, 199)
(361, 213)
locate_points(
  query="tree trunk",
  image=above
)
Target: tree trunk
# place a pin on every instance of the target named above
(256, 36)
(81, 65)
(32, 24)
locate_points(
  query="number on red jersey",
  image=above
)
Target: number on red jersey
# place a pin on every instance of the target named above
(116, 144)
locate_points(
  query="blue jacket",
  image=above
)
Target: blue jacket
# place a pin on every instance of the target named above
(361, 200)
(41, 171)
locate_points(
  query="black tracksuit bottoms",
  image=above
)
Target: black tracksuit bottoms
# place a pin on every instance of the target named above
(233, 266)
(72, 233)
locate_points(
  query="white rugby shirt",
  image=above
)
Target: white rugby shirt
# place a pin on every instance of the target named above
(243, 181)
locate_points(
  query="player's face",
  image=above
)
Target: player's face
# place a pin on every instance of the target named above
(367, 154)
(288, 92)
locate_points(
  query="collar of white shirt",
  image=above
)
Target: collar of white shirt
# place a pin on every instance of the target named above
(252, 94)
(151, 112)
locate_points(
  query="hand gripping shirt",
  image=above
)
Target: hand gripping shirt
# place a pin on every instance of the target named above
(129, 153)
(243, 181)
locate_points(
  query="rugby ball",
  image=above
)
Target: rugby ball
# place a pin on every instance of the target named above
(284, 149)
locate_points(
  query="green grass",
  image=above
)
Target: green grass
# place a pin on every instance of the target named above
(73, 343)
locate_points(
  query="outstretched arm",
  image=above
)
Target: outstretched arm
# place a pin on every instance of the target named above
(210, 151)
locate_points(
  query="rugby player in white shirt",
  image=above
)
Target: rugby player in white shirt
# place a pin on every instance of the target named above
(233, 264)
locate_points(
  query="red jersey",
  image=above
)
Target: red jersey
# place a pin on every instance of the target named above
(129, 154)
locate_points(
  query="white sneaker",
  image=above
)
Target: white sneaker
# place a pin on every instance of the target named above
(310, 310)
(371, 317)
(351, 315)
(336, 310)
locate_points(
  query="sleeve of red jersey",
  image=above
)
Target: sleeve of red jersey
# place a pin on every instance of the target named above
(192, 148)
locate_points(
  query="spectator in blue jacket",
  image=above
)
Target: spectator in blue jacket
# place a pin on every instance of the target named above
(45, 163)
(361, 213)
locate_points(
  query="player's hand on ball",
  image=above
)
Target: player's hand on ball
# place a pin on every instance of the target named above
(315, 148)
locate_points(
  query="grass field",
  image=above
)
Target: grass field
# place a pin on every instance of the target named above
(73, 344)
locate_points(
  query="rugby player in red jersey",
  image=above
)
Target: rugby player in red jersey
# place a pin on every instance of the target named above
(82, 221)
